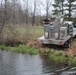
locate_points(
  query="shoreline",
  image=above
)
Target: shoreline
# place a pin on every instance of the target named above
(66, 56)
(20, 49)
(60, 57)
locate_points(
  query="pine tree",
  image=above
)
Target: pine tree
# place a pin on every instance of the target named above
(70, 7)
(58, 7)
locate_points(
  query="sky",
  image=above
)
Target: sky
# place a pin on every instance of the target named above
(40, 5)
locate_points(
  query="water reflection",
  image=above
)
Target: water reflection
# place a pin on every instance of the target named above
(21, 64)
(53, 68)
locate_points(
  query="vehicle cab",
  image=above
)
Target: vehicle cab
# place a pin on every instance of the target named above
(70, 23)
(74, 29)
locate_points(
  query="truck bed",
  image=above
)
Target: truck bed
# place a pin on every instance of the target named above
(53, 41)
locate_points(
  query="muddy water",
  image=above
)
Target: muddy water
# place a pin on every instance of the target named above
(21, 64)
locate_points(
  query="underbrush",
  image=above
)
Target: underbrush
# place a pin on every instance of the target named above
(20, 35)
(20, 49)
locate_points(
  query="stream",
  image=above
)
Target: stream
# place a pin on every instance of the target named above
(24, 64)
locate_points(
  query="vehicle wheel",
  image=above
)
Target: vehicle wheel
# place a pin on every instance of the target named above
(67, 44)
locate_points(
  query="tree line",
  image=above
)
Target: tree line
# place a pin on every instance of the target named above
(27, 12)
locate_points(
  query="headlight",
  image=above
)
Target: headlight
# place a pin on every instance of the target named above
(56, 35)
(46, 35)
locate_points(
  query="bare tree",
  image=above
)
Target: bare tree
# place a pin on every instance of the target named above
(26, 11)
(13, 11)
(46, 6)
(34, 13)
(1, 11)
(4, 17)
(3, 21)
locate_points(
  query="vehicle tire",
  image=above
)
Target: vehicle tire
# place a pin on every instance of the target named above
(67, 44)
(75, 36)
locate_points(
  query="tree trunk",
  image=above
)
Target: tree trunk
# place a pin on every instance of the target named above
(33, 22)
(69, 10)
(4, 18)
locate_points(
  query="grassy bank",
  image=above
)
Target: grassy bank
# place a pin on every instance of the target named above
(20, 49)
(20, 35)
(60, 57)
(28, 36)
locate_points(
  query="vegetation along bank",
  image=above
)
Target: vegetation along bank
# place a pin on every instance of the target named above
(60, 57)
(29, 44)
(21, 49)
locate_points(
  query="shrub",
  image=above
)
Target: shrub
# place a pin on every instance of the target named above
(63, 59)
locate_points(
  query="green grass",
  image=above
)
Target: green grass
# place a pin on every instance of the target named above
(32, 32)
(59, 56)
(20, 49)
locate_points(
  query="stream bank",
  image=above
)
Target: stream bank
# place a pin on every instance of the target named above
(57, 54)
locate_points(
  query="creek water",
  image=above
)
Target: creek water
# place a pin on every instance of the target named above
(23, 64)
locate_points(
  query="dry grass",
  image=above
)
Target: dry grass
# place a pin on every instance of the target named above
(30, 32)
(21, 35)
(72, 49)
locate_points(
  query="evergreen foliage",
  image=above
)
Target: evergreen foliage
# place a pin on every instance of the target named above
(58, 7)
(70, 6)
(65, 7)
